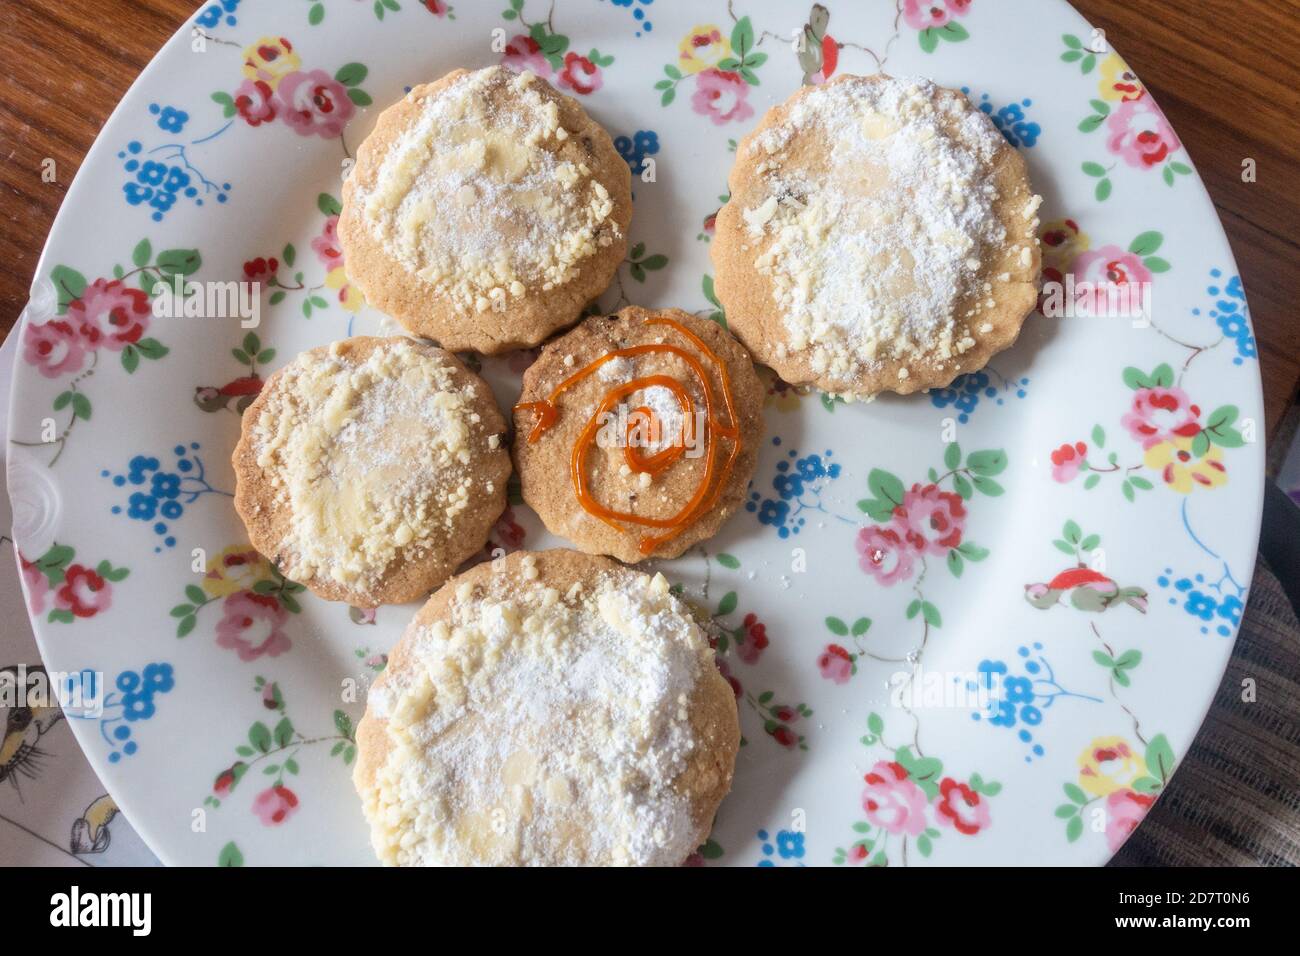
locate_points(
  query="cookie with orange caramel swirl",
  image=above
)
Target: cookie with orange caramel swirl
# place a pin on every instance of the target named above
(637, 433)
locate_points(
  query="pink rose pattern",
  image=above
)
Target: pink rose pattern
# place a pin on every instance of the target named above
(1161, 414)
(545, 53)
(55, 348)
(1124, 811)
(883, 554)
(37, 585)
(1139, 134)
(252, 625)
(255, 102)
(274, 747)
(1135, 128)
(722, 97)
(274, 805)
(836, 664)
(314, 104)
(892, 801)
(109, 314)
(925, 520)
(1103, 269)
(908, 803)
(310, 102)
(327, 246)
(66, 590)
(523, 54)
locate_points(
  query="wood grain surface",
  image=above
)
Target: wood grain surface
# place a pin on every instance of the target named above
(1222, 70)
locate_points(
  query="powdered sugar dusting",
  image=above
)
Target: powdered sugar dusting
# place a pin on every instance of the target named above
(371, 459)
(875, 217)
(480, 197)
(542, 728)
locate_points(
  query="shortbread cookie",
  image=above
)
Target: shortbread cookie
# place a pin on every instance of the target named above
(547, 708)
(880, 236)
(637, 433)
(485, 211)
(369, 469)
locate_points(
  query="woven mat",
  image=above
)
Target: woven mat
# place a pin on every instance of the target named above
(1235, 799)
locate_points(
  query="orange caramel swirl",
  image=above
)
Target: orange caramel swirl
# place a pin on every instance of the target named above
(717, 468)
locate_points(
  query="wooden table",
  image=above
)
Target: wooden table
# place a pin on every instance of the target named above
(1223, 70)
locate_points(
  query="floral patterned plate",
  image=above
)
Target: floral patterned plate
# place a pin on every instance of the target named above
(979, 625)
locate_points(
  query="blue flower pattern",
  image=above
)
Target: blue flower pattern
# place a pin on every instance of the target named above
(966, 392)
(799, 483)
(788, 846)
(162, 494)
(132, 701)
(214, 13)
(1214, 604)
(1019, 701)
(1231, 314)
(635, 148)
(637, 7)
(1011, 120)
(159, 176)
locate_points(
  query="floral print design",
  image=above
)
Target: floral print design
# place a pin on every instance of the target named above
(1115, 787)
(545, 53)
(786, 845)
(162, 495)
(276, 88)
(936, 20)
(751, 633)
(744, 642)
(1011, 120)
(1136, 130)
(66, 591)
(908, 801)
(159, 176)
(100, 315)
(217, 13)
(721, 69)
(380, 8)
(1181, 444)
(925, 520)
(256, 601)
(966, 392)
(119, 710)
(284, 278)
(1231, 314)
(1108, 272)
(1020, 702)
(798, 484)
(838, 664)
(274, 746)
(1216, 604)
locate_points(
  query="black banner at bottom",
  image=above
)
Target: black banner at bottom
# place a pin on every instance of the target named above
(189, 904)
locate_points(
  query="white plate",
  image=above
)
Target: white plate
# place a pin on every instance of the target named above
(206, 668)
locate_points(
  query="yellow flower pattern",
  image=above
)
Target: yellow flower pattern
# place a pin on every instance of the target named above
(1182, 469)
(703, 48)
(235, 569)
(1118, 83)
(270, 60)
(350, 297)
(1109, 764)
